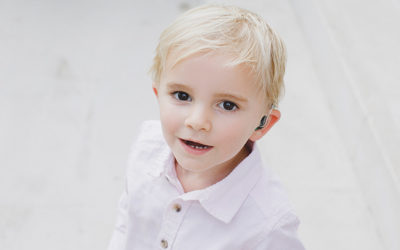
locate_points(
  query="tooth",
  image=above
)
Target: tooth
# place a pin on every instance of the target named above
(198, 147)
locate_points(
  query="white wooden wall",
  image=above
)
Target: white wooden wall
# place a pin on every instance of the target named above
(74, 88)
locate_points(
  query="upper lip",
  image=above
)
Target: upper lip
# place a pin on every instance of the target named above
(195, 142)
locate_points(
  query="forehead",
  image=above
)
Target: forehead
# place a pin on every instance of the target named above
(204, 69)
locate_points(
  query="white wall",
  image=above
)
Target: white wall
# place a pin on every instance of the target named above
(73, 90)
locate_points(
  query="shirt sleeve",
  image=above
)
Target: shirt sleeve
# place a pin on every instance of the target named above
(118, 238)
(283, 236)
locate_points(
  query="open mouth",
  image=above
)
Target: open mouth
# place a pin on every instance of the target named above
(196, 145)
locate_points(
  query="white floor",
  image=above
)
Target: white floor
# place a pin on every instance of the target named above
(73, 90)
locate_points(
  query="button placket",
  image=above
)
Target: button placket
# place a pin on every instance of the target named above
(177, 207)
(173, 217)
(164, 243)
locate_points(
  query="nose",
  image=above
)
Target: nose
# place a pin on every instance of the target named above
(199, 119)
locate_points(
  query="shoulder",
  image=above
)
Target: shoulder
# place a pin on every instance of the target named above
(149, 150)
(266, 201)
(270, 197)
(283, 235)
(269, 201)
(277, 222)
(149, 134)
(267, 213)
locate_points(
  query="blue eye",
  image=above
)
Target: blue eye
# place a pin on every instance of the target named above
(181, 96)
(227, 105)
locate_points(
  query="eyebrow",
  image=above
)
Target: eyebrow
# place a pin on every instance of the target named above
(229, 96)
(175, 85)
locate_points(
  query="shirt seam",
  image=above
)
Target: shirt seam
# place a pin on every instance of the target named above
(264, 234)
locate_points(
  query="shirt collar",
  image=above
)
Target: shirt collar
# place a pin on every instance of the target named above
(223, 199)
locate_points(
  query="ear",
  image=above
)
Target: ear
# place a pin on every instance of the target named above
(155, 90)
(272, 119)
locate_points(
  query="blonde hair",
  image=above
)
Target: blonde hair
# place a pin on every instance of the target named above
(241, 34)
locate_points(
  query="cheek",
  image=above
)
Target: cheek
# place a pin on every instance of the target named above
(169, 117)
(235, 134)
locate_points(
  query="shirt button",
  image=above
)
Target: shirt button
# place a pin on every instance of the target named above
(177, 208)
(164, 243)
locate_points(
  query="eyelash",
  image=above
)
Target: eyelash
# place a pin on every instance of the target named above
(176, 96)
(234, 106)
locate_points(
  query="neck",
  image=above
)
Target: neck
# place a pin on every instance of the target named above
(192, 181)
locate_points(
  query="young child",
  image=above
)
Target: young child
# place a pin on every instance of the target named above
(195, 180)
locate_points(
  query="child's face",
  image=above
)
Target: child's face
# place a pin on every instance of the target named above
(218, 107)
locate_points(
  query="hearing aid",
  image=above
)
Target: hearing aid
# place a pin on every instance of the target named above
(264, 119)
(262, 122)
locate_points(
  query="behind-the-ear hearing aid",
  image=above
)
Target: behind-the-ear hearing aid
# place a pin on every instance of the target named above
(262, 122)
(264, 119)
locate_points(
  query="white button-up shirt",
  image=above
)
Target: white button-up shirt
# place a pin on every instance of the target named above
(246, 210)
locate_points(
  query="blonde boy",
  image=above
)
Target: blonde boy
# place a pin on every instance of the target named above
(196, 180)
